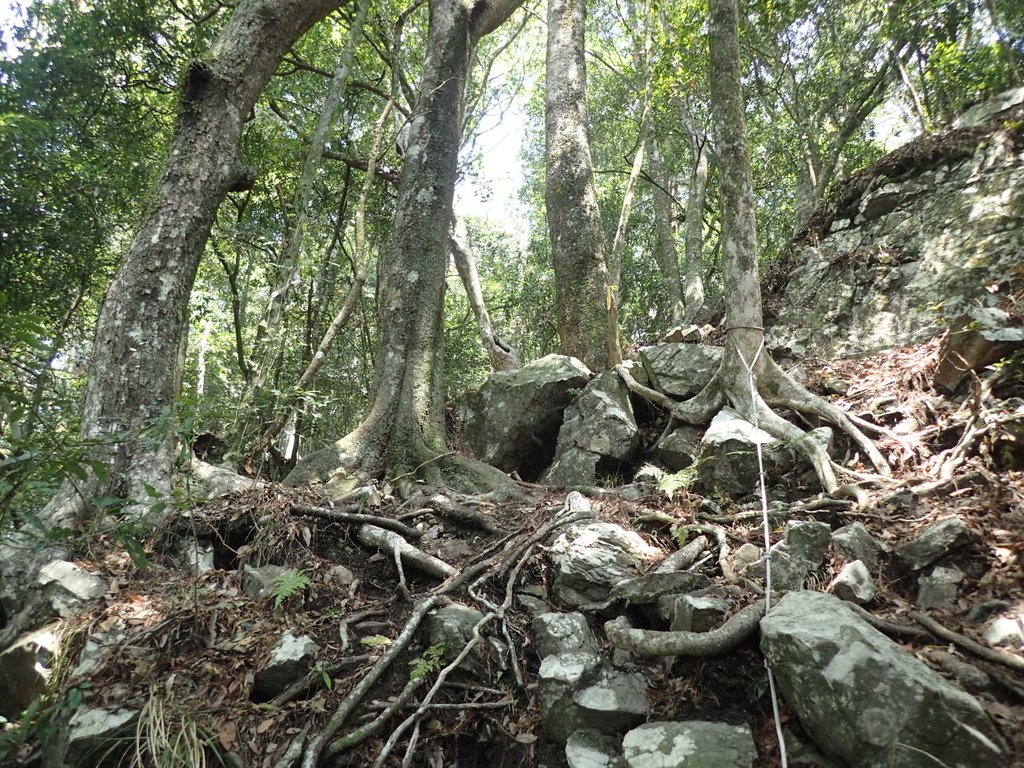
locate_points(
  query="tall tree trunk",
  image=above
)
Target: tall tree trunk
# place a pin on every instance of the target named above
(136, 369)
(693, 281)
(289, 409)
(404, 430)
(270, 331)
(668, 256)
(582, 290)
(748, 378)
(502, 356)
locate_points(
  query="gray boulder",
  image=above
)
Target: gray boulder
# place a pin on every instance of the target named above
(679, 448)
(680, 370)
(691, 744)
(939, 589)
(451, 626)
(728, 455)
(558, 679)
(588, 748)
(555, 633)
(291, 658)
(93, 730)
(854, 584)
(935, 542)
(576, 691)
(25, 668)
(598, 437)
(978, 339)
(66, 587)
(589, 559)
(515, 413)
(866, 701)
(855, 542)
(808, 540)
(691, 613)
(257, 583)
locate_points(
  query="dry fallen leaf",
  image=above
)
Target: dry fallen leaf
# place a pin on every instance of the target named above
(226, 735)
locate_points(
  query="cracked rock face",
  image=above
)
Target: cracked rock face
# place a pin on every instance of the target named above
(866, 701)
(599, 434)
(944, 232)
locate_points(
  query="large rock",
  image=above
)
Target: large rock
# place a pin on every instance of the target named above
(589, 559)
(866, 701)
(67, 587)
(451, 627)
(513, 420)
(980, 338)
(25, 669)
(555, 633)
(560, 676)
(599, 437)
(855, 542)
(679, 448)
(728, 454)
(940, 222)
(691, 744)
(680, 370)
(291, 658)
(95, 730)
(588, 748)
(935, 542)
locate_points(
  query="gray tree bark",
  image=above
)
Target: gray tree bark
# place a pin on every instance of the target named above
(502, 356)
(404, 430)
(582, 290)
(693, 280)
(668, 254)
(136, 366)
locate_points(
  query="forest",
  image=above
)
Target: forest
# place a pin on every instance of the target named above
(275, 241)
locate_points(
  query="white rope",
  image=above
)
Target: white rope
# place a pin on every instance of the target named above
(767, 539)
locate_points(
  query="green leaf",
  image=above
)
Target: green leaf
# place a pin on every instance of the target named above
(288, 583)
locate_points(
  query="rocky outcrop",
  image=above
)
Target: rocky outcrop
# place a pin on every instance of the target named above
(866, 701)
(599, 436)
(909, 245)
(513, 420)
(680, 370)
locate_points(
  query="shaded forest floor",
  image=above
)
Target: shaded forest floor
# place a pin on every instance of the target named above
(196, 643)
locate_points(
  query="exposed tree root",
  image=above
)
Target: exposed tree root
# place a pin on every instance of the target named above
(364, 456)
(649, 642)
(772, 387)
(389, 541)
(351, 514)
(989, 654)
(311, 756)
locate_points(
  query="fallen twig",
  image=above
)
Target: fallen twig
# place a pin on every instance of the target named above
(348, 515)
(889, 627)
